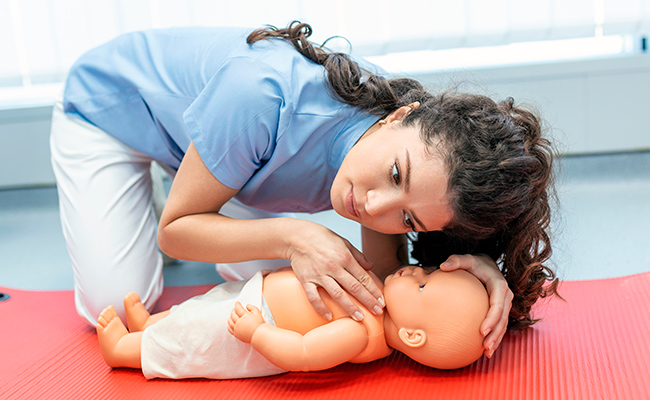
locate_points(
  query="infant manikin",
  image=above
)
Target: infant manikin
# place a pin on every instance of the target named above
(266, 326)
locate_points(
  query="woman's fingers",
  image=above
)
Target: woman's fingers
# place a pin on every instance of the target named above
(481, 267)
(359, 257)
(360, 284)
(341, 285)
(311, 289)
(498, 325)
(340, 296)
(493, 340)
(496, 321)
(321, 258)
(342, 290)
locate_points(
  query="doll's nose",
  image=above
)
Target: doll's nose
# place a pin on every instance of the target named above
(413, 271)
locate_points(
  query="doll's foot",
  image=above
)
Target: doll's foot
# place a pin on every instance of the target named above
(110, 330)
(136, 313)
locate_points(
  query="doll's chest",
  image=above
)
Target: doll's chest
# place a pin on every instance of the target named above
(289, 305)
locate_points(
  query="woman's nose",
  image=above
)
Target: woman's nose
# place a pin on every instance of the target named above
(378, 203)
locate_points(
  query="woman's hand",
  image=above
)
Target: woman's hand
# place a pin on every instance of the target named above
(485, 269)
(320, 257)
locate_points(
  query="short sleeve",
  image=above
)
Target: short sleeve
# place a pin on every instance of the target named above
(234, 122)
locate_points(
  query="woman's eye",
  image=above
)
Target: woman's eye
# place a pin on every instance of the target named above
(408, 222)
(398, 179)
(395, 174)
(422, 287)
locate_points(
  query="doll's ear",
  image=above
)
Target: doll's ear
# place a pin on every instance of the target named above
(412, 337)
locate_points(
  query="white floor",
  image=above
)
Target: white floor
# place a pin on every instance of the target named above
(602, 228)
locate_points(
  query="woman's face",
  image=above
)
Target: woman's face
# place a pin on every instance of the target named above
(389, 183)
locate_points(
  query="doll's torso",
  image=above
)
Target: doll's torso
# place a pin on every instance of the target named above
(292, 310)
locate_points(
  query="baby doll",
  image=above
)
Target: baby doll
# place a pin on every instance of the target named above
(434, 318)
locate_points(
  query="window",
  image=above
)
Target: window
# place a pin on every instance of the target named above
(42, 38)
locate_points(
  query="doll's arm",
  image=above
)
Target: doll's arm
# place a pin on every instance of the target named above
(325, 347)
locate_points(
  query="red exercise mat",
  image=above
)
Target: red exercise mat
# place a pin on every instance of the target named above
(596, 345)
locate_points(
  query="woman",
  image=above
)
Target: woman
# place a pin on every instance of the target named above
(268, 129)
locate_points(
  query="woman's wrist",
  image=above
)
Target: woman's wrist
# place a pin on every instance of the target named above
(292, 232)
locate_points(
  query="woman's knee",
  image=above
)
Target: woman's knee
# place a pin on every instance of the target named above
(106, 284)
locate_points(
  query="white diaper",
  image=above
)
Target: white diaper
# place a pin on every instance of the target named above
(194, 342)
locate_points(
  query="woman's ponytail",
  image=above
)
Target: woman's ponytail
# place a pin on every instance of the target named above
(372, 93)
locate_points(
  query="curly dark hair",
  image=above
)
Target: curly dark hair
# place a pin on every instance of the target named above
(499, 169)
(500, 182)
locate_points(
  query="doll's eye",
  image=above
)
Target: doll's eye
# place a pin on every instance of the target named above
(422, 287)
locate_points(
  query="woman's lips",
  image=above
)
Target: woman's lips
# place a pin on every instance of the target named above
(351, 204)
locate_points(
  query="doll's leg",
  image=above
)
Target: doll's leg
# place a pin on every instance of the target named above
(137, 316)
(119, 347)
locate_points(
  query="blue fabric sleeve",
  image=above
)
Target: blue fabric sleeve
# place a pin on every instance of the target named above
(234, 121)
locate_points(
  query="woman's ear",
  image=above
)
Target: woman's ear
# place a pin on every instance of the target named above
(414, 106)
(412, 337)
(399, 114)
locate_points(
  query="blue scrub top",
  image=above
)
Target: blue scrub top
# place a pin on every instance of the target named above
(261, 117)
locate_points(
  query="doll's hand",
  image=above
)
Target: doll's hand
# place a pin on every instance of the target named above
(244, 321)
(321, 258)
(485, 269)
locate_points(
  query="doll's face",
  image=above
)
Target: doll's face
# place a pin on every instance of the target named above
(435, 318)
(410, 293)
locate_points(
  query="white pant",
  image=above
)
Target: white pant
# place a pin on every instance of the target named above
(109, 225)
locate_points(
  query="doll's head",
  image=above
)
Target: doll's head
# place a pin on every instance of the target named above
(435, 318)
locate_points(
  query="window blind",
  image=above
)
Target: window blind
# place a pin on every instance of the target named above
(40, 39)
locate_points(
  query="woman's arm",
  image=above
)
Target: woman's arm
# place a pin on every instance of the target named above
(325, 347)
(386, 252)
(192, 228)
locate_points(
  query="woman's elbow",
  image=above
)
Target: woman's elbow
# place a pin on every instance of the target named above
(166, 241)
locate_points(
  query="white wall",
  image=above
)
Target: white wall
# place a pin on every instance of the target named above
(24, 147)
(592, 106)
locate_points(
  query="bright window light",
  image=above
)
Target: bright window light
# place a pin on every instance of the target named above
(29, 96)
(511, 54)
